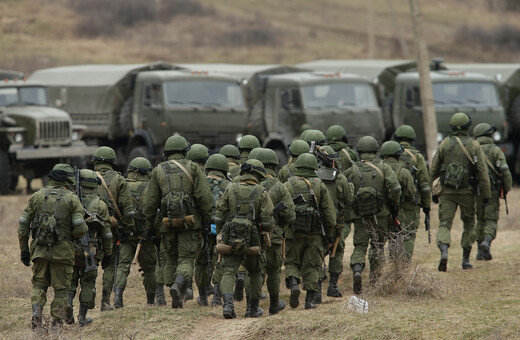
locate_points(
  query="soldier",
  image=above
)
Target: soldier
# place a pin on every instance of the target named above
(216, 174)
(296, 148)
(390, 153)
(142, 239)
(114, 192)
(501, 183)
(179, 188)
(245, 145)
(53, 217)
(315, 136)
(341, 192)
(250, 213)
(376, 197)
(233, 156)
(461, 166)
(283, 219)
(98, 241)
(199, 154)
(311, 233)
(337, 140)
(414, 161)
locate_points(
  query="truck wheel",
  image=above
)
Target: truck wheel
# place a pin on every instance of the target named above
(125, 116)
(139, 151)
(5, 170)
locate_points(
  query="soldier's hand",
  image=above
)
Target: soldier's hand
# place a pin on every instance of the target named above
(426, 211)
(107, 261)
(25, 257)
(435, 199)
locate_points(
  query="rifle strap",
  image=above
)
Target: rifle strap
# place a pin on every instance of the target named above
(111, 196)
(183, 170)
(370, 164)
(411, 155)
(466, 152)
(488, 162)
(311, 191)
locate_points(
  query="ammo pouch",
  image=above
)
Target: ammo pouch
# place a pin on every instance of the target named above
(225, 249)
(46, 231)
(368, 201)
(455, 176)
(186, 222)
(307, 219)
(240, 233)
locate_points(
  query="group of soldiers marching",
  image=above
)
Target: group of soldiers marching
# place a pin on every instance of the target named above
(230, 221)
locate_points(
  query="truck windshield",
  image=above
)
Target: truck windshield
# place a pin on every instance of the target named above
(33, 95)
(204, 92)
(338, 95)
(8, 96)
(467, 93)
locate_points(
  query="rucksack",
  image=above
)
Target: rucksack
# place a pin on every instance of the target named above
(45, 227)
(177, 203)
(137, 190)
(216, 191)
(455, 176)
(368, 200)
(307, 217)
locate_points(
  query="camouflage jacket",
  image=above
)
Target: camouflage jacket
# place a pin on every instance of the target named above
(412, 157)
(497, 165)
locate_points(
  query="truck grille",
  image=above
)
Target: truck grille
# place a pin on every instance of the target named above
(54, 132)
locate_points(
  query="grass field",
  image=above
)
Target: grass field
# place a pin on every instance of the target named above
(480, 303)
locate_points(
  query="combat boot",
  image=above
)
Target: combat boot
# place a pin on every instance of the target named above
(69, 310)
(309, 298)
(295, 292)
(248, 307)
(275, 305)
(176, 291)
(105, 300)
(443, 263)
(333, 290)
(36, 321)
(480, 254)
(465, 258)
(118, 297)
(254, 310)
(159, 295)
(317, 294)
(485, 247)
(229, 309)
(357, 283)
(82, 316)
(56, 324)
(188, 291)
(202, 300)
(210, 290)
(150, 298)
(239, 287)
(217, 297)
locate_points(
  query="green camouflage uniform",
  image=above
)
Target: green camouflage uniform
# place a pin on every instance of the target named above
(287, 171)
(234, 168)
(52, 265)
(346, 155)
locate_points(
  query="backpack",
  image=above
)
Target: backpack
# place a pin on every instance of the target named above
(177, 203)
(241, 233)
(455, 176)
(216, 191)
(368, 200)
(307, 217)
(45, 229)
(137, 190)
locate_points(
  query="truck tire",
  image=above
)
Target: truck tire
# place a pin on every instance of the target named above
(6, 171)
(125, 117)
(139, 151)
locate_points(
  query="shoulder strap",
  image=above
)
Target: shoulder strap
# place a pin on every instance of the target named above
(465, 150)
(411, 155)
(311, 191)
(183, 170)
(347, 154)
(488, 162)
(111, 196)
(370, 164)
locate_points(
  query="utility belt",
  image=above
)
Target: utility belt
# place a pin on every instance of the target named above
(181, 222)
(225, 249)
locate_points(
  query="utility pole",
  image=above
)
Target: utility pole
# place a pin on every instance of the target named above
(423, 63)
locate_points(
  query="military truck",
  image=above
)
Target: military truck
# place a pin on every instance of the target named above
(34, 136)
(135, 108)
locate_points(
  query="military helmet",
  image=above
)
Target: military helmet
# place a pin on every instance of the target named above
(217, 162)
(198, 153)
(314, 135)
(367, 144)
(253, 154)
(460, 121)
(230, 151)
(88, 179)
(248, 142)
(105, 154)
(330, 151)
(484, 129)
(404, 132)
(141, 165)
(253, 166)
(336, 133)
(176, 143)
(391, 148)
(62, 173)
(306, 160)
(305, 127)
(298, 147)
(267, 156)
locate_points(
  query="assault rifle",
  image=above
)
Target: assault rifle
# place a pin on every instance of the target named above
(427, 226)
(503, 194)
(205, 234)
(413, 171)
(85, 241)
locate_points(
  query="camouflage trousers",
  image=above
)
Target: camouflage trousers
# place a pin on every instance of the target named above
(147, 259)
(273, 269)
(303, 258)
(201, 264)
(409, 217)
(448, 204)
(375, 233)
(159, 267)
(181, 250)
(254, 264)
(87, 282)
(487, 217)
(108, 272)
(336, 262)
(58, 275)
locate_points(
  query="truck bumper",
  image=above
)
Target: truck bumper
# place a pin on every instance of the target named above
(78, 149)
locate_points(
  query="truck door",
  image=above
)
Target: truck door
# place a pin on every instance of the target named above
(289, 111)
(153, 112)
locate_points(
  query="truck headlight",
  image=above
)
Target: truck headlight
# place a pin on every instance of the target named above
(18, 138)
(75, 136)
(497, 136)
(440, 137)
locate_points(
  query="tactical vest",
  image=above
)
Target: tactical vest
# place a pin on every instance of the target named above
(456, 169)
(494, 171)
(241, 232)
(177, 201)
(368, 199)
(307, 217)
(137, 191)
(216, 191)
(109, 177)
(408, 160)
(91, 205)
(49, 225)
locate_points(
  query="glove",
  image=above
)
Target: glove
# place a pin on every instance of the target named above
(426, 211)
(435, 199)
(485, 202)
(25, 257)
(107, 261)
